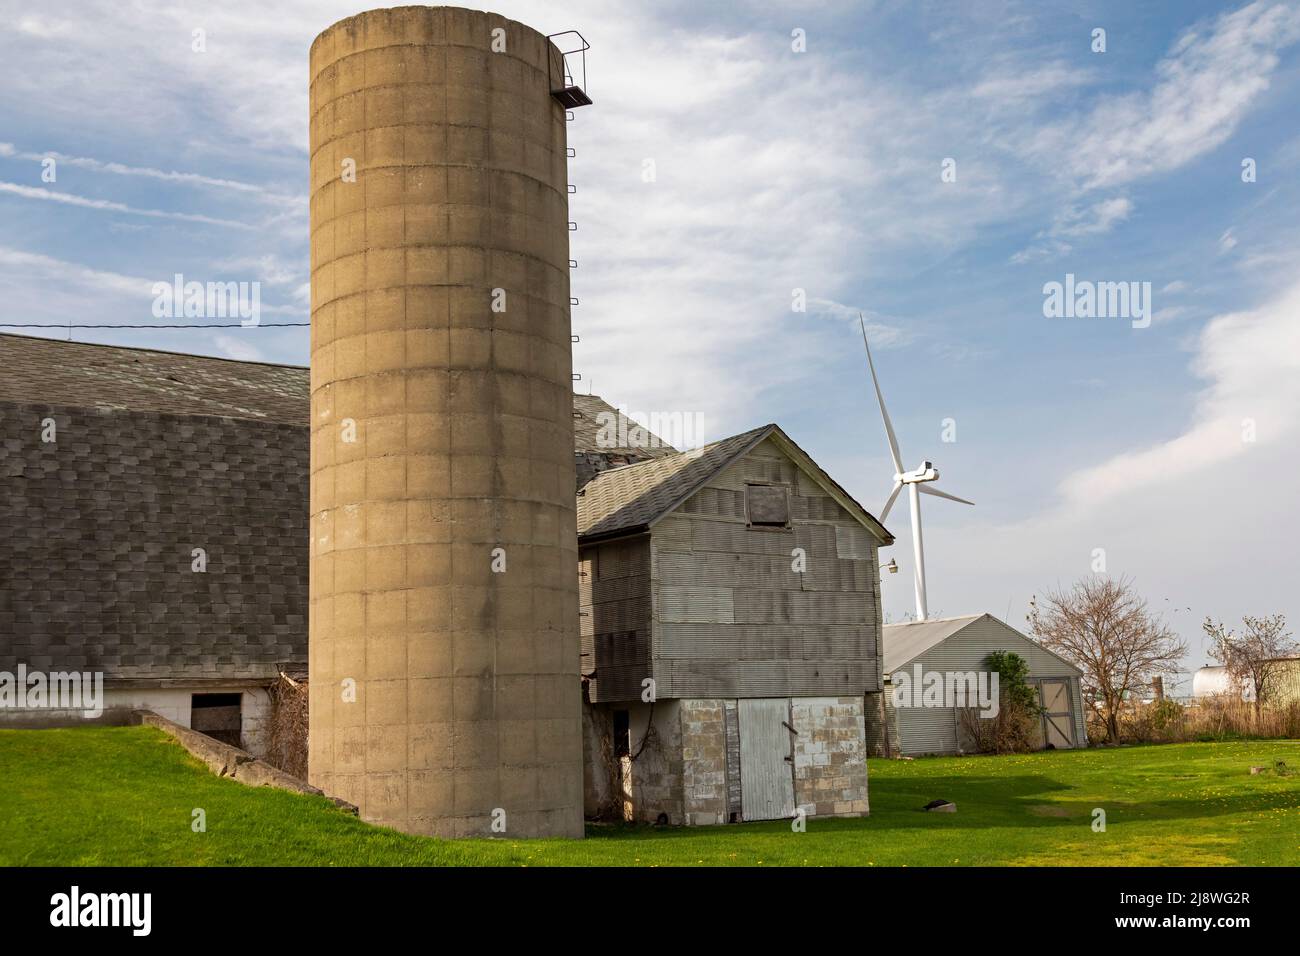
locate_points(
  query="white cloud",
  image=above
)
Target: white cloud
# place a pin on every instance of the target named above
(47, 270)
(240, 349)
(268, 268)
(1015, 84)
(1252, 363)
(122, 169)
(45, 28)
(106, 205)
(1205, 85)
(1075, 222)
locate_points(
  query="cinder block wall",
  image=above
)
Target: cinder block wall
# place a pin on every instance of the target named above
(683, 769)
(830, 756)
(442, 428)
(704, 763)
(656, 774)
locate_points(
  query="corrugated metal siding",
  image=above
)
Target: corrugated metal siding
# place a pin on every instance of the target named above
(927, 730)
(700, 604)
(709, 678)
(853, 542)
(1287, 684)
(703, 641)
(776, 632)
(767, 777)
(767, 465)
(716, 501)
(800, 607)
(727, 570)
(614, 598)
(965, 651)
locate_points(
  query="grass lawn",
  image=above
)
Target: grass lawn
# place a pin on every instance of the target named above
(124, 796)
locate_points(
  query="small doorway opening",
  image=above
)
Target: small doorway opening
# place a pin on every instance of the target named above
(218, 716)
(623, 761)
(622, 733)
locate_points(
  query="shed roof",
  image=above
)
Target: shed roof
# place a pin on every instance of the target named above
(632, 498)
(85, 375)
(905, 642)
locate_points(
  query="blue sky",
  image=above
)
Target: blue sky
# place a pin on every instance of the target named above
(777, 170)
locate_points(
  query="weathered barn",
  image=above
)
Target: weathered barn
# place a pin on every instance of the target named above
(960, 645)
(730, 635)
(689, 563)
(154, 529)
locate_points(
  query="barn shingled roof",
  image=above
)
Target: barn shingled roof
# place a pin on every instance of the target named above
(84, 375)
(635, 495)
(630, 499)
(589, 421)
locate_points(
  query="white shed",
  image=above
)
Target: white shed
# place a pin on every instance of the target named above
(959, 645)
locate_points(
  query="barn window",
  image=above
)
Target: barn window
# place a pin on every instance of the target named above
(622, 734)
(768, 506)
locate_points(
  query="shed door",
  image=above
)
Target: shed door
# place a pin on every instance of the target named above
(1058, 722)
(766, 760)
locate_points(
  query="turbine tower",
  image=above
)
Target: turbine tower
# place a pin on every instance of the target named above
(917, 482)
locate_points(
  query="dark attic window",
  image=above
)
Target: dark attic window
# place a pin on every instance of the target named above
(768, 506)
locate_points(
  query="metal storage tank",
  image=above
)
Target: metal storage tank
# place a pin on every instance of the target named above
(1215, 681)
(445, 696)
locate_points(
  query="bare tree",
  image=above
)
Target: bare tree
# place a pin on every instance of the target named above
(1258, 655)
(1104, 627)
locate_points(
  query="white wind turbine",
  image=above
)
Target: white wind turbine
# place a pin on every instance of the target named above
(917, 484)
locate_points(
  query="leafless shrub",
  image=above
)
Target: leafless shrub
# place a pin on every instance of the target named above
(1013, 730)
(1259, 657)
(287, 746)
(1103, 626)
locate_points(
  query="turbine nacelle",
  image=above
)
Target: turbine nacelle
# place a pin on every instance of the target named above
(927, 472)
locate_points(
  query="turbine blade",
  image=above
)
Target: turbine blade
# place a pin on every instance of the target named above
(927, 489)
(889, 426)
(893, 496)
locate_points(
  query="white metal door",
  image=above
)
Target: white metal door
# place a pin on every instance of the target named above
(766, 760)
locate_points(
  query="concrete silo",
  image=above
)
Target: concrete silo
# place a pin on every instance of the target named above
(445, 695)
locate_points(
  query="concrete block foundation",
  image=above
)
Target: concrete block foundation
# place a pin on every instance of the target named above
(684, 764)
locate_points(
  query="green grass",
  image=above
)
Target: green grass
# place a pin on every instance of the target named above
(124, 796)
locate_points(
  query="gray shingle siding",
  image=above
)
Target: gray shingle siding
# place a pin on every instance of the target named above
(95, 556)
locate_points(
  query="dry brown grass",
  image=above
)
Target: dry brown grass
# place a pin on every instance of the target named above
(1209, 719)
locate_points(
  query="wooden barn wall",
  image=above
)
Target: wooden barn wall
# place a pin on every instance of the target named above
(614, 603)
(732, 617)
